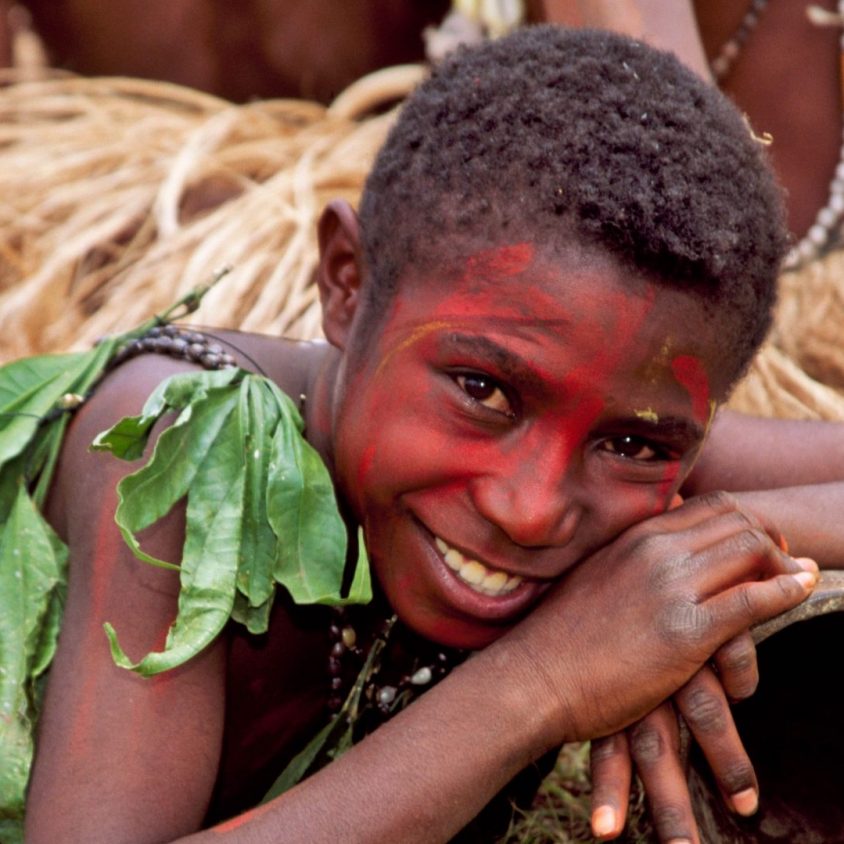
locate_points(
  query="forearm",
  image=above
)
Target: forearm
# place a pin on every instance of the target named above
(666, 26)
(744, 453)
(419, 778)
(809, 517)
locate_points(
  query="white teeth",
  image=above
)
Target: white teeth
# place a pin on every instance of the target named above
(475, 574)
(494, 582)
(454, 559)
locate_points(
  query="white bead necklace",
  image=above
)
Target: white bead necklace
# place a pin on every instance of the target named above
(824, 233)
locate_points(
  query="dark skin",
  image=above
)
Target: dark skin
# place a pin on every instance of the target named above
(126, 759)
(240, 51)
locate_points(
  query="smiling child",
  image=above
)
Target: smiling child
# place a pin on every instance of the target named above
(565, 257)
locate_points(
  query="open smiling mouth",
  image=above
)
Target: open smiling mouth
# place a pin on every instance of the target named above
(476, 575)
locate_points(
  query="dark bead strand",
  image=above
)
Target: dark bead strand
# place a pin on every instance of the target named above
(182, 343)
(383, 698)
(343, 644)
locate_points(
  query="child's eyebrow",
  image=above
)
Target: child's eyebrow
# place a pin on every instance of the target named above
(505, 360)
(674, 428)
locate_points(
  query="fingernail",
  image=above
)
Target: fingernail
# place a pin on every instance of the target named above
(603, 821)
(807, 579)
(807, 564)
(745, 802)
(680, 841)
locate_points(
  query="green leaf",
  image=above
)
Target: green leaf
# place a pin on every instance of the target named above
(212, 544)
(303, 512)
(361, 588)
(301, 763)
(32, 565)
(31, 388)
(128, 438)
(151, 492)
(261, 509)
(260, 414)
(254, 619)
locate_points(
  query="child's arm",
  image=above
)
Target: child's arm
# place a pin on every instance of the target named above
(790, 472)
(126, 759)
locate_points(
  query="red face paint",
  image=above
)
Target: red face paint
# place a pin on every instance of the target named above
(501, 262)
(690, 374)
(491, 440)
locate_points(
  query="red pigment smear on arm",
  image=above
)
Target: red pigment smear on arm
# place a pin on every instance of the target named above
(690, 374)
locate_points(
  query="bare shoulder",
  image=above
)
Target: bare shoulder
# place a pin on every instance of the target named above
(104, 730)
(287, 362)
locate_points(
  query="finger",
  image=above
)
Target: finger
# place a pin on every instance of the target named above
(611, 775)
(655, 747)
(737, 669)
(740, 607)
(746, 554)
(718, 512)
(705, 709)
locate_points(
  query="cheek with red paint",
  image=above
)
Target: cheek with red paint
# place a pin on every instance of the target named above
(665, 492)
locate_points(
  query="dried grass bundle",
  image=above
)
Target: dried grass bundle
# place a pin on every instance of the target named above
(118, 195)
(799, 374)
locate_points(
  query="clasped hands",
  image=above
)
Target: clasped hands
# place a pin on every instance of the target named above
(659, 620)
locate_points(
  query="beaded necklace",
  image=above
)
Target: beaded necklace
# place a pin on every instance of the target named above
(824, 233)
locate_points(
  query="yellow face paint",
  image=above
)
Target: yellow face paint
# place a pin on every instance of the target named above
(648, 414)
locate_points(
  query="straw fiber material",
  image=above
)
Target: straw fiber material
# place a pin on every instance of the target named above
(799, 374)
(117, 196)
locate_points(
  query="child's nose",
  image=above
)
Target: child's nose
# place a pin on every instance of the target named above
(532, 502)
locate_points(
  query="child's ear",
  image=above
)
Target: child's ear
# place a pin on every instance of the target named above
(339, 273)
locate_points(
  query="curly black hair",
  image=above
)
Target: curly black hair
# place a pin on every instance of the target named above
(586, 136)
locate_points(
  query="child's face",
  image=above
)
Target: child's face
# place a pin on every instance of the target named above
(511, 419)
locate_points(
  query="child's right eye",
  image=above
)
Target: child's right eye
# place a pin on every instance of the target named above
(484, 390)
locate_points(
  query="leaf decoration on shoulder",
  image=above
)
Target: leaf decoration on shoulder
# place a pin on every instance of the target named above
(261, 510)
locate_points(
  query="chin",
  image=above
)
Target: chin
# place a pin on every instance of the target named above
(460, 634)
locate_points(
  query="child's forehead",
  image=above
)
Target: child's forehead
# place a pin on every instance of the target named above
(487, 276)
(550, 300)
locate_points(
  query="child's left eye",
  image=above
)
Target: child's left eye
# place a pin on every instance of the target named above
(484, 390)
(634, 448)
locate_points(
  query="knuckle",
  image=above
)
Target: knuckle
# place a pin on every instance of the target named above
(720, 501)
(736, 664)
(603, 749)
(791, 591)
(746, 605)
(736, 777)
(647, 744)
(670, 823)
(704, 712)
(738, 658)
(683, 622)
(752, 541)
